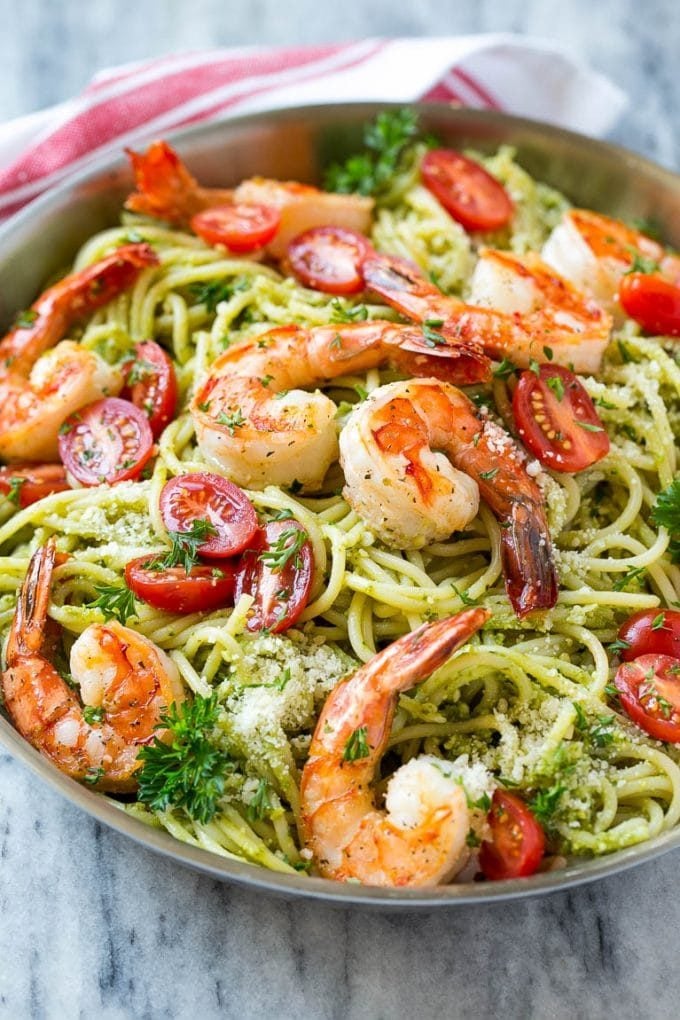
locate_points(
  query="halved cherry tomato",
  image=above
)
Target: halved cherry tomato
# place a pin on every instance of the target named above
(172, 590)
(209, 497)
(329, 259)
(27, 483)
(649, 690)
(651, 631)
(240, 228)
(278, 574)
(151, 384)
(653, 301)
(468, 193)
(107, 441)
(517, 840)
(557, 421)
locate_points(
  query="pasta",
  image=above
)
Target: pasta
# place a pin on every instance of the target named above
(527, 699)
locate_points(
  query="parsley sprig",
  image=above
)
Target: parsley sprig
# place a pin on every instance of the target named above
(115, 601)
(212, 292)
(287, 547)
(185, 545)
(544, 804)
(369, 173)
(357, 745)
(187, 770)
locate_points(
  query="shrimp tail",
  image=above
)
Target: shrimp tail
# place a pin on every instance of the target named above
(165, 188)
(530, 576)
(27, 634)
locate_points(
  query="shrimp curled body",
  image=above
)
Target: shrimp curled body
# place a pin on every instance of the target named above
(255, 422)
(420, 840)
(417, 454)
(124, 678)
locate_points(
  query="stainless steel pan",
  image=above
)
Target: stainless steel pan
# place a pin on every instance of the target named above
(297, 144)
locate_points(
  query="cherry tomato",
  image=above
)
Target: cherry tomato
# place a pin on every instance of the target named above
(151, 384)
(517, 840)
(278, 574)
(107, 441)
(570, 436)
(329, 259)
(653, 301)
(172, 590)
(649, 690)
(651, 631)
(240, 228)
(27, 483)
(209, 497)
(468, 193)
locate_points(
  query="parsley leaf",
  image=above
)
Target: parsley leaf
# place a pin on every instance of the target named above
(287, 545)
(666, 510)
(588, 427)
(92, 714)
(632, 575)
(341, 313)
(432, 337)
(505, 369)
(116, 602)
(184, 550)
(369, 173)
(357, 745)
(545, 803)
(642, 264)
(186, 770)
(555, 384)
(232, 421)
(260, 804)
(14, 491)
(212, 292)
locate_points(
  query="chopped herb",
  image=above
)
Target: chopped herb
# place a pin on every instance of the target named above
(204, 407)
(555, 384)
(588, 427)
(545, 803)
(619, 645)
(92, 715)
(116, 602)
(362, 392)
(632, 575)
(184, 550)
(432, 338)
(649, 227)
(548, 351)
(642, 264)
(133, 237)
(658, 621)
(25, 319)
(141, 370)
(488, 475)
(464, 596)
(287, 545)
(666, 510)
(266, 379)
(93, 775)
(627, 357)
(342, 314)
(369, 173)
(534, 367)
(472, 839)
(185, 769)
(357, 745)
(601, 402)
(231, 421)
(260, 804)
(282, 515)
(505, 369)
(14, 492)
(601, 732)
(611, 690)
(296, 486)
(213, 292)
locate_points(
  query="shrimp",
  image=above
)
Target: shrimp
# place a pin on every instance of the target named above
(518, 307)
(420, 839)
(124, 679)
(416, 455)
(594, 252)
(40, 388)
(166, 190)
(254, 422)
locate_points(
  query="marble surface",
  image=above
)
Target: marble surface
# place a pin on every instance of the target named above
(93, 926)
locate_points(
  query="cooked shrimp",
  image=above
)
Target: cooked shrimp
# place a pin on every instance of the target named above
(518, 306)
(253, 420)
(420, 839)
(124, 679)
(39, 390)
(167, 191)
(416, 456)
(594, 251)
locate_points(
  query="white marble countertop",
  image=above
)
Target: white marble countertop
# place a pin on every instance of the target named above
(93, 926)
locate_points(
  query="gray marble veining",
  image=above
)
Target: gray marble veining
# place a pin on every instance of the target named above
(93, 926)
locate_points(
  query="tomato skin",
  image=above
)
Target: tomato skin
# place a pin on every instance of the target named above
(207, 496)
(155, 389)
(107, 441)
(646, 639)
(37, 481)
(653, 301)
(172, 590)
(518, 841)
(240, 228)
(257, 578)
(329, 259)
(649, 691)
(533, 395)
(466, 190)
